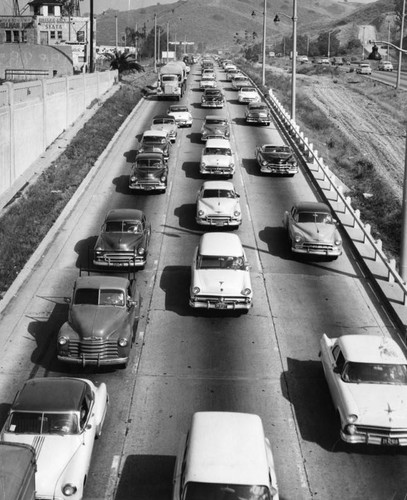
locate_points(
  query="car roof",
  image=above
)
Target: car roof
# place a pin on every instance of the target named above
(118, 214)
(227, 448)
(217, 143)
(215, 117)
(371, 349)
(312, 206)
(101, 282)
(50, 394)
(152, 154)
(257, 105)
(218, 185)
(162, 117)
(220, 244)
(277, 144)
(155, 133)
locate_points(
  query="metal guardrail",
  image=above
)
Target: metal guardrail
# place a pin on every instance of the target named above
(309, 152)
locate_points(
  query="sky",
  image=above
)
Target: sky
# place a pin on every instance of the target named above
(6, 6)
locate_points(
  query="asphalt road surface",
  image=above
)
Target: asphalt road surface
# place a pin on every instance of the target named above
(265, 362)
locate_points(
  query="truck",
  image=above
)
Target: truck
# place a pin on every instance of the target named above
(17, 471)
(172, 80)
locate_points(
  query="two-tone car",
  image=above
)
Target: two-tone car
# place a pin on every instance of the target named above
(212, 98)
(60, 418)
(217, 158)
(240, 81)
(123, 240)
(258, 112)
(215, 125)
(149, 172)
(276, 159)
(155, 141)
(248, 94)
(181, 115)
(312, 230)
(367, 379)
(102, 321)
(220, 276)
(207, 82)
(166, 123)
(218, 205)
(364, 69)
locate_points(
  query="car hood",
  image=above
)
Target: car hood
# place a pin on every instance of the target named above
(218, 205)
(316, 231)
(119, 241)
(152, 148)
(277, 156)
(216, 129)
(96, 321)
(259, 113)
(221, 282)
(182, 115)
(163, 126)
(380, 404)
(50, 464)
(217, 160)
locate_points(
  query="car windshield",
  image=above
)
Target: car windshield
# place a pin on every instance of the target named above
(248, 89)
(165, 121)
(214, 121)
(316, 217)
(215, 491)
(153, 140)
(178, 109)
(125, 226)
(220, 262)
(218, 193)
(276, 149)
(96, 296)
(43, 423)
(217, 151)
(374, 373)
(149, 163)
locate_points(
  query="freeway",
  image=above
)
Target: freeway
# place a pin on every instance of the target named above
(184, 361)
(390, 78)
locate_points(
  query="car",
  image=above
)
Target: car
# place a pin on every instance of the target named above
(241, 81)
(385, 66)
(181, 115)
(325, 61)
(217, 158)
(215, 125)
(258, 112)
(225, 455)
(220, 276)
(337, 61)
(60, 417)
(312, 230)
(228, 65)
(367, 378)
(276, 159)
(248, 94)
(212, 98)
(155, 141)
(207, 82)
(218, 205)
(208, 73)
(149, 172)
(166, 123)
(102, 322)
(123, 240)
(231, 73)
(302, 59)
(364, 69)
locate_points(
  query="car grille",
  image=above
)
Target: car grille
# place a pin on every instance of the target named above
(214, 169)
(317, 246)
(230, 301)
(93, 349)
(221, 219)
(119, 259)
(382, 431)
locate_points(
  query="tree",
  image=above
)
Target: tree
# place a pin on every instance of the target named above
(123, 61)
(398, 7)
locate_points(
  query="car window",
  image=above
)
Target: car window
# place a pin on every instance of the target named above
(87, 296)
(113, 227)
(214, 121)
(218, 193)
(154, 140)
(111, 298)
(148, 163)
(132, 227)
(375, 373)
(320, 218)
(217, 151)
(220, 262)
(43, 423)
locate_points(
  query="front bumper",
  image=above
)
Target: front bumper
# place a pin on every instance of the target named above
(315, 249)
(262, 121)
(138, 186)
(119, 260)
(212, 104)
(218, 221)
(378, 437)
(278, 169)
(214, 170)
(84, 361)
(221, 303)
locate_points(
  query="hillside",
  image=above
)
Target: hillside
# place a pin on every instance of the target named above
(217, 24)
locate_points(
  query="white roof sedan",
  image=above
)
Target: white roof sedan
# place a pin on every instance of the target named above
(181, 114)
(248, 94)
(220, 274)
(207, 82)
(367, 378)
(218, 205)
(217, 158)
(60, 417)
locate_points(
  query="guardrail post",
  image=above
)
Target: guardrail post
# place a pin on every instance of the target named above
(392, 265)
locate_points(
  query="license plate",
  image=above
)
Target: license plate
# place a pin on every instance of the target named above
(390, 441)
(220, 305)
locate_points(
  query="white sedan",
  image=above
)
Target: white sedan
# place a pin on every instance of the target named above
(367, 378)
(60, 418)
(220, 277)
(217, 158)
(248, 94)
(181, 114)
(218, 205)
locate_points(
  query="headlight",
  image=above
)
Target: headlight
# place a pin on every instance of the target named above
(196, 290)
(298, 238)
(69, 489)
(200, 213)
(350, 429)
(203, 164)
(123, 342)
(141, 250)
(338, 242)
(62, 341)
(264, 163)
(98, 252)
(246, 291)
(236, 213)
(352, 418)
(231, 165)
(163, 178)
(133, 178)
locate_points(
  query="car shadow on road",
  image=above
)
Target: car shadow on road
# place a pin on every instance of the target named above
(122, 184)
(276, 240)
(148, 475)
(186, 216)
(175, 281)
(191, 169)
(251, 166)
(130, 155)
(195, 138)
(241, 121)
(4, 409)
(84, 249)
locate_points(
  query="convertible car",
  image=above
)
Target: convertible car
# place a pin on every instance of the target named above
(312, 230)
(220, 274)
(276, 159)
(124, 239)
(218, 205)
(367, 379)
(60, 418)
(102, 321)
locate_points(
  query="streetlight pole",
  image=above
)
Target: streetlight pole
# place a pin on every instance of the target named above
(155, 43)
(363, 44)
(263, 69)
(401, 45)
(116, 33)
(329, 44)
(168, 39)
(388, 41)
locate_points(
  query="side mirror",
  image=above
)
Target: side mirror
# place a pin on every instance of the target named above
(67, 300)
